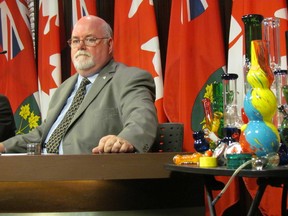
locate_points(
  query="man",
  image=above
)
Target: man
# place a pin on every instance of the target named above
(7, 123)
(117, 113)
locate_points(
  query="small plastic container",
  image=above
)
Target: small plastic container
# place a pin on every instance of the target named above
(208, 162)
(236, 160)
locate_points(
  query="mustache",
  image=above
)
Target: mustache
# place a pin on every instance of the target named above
(82, 52)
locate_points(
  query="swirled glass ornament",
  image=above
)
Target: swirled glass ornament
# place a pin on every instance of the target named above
(260, 105)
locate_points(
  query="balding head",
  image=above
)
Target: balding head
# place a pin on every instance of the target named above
(89, 58)
(94, 22)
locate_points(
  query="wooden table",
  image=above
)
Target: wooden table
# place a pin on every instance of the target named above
(78, 183)
(269, 176)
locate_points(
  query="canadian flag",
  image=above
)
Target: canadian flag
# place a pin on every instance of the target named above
(136, 42)
(49, 51)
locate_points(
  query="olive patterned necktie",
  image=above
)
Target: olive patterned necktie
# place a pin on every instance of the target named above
(53, 143)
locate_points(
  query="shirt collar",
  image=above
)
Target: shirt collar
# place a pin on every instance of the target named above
(90, 78)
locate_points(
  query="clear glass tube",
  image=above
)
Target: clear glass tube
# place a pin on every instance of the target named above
(230, 109)
(270, 34)
(280, 81)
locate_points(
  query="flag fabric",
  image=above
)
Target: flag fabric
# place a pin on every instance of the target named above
(81, 8)
(195, 59)
(136, 42)
(271, 200)
(50, 42)
(18, 77)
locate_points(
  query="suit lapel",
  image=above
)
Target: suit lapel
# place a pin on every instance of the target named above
(57, 105)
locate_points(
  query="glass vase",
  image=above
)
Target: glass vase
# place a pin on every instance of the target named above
(270, 35)
(232, 122)
(200, 143)
(260, 105)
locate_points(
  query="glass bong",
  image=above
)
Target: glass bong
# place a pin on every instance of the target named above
(271, 36)
(232, 121)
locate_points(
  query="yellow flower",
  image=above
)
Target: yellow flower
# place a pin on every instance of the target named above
(25, 111)
(33, 120)
(28, 121)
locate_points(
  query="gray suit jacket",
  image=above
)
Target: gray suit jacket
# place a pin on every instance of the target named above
(120, 102)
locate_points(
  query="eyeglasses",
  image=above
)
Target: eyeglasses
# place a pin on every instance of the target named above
(89, 41)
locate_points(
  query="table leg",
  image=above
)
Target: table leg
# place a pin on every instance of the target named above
(209, 200)
(255, 203)
(212, 184)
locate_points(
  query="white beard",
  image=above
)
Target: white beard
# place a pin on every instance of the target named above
(81, 64)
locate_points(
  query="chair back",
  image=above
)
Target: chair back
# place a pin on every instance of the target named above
(169, 138)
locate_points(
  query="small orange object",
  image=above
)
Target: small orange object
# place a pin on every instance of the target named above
(187, 158)
(208, 153)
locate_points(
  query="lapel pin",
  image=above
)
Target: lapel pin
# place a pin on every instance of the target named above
(104, 77)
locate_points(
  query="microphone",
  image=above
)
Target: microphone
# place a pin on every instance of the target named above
(3, 52)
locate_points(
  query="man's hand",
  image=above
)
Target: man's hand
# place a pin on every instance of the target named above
(113, 144)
